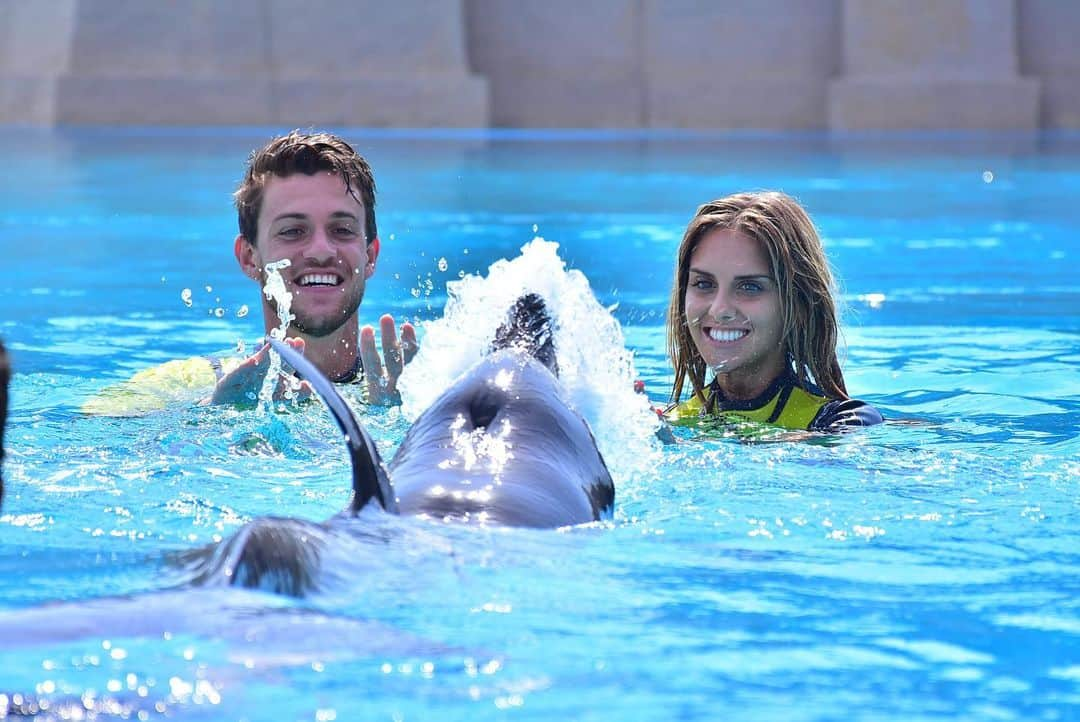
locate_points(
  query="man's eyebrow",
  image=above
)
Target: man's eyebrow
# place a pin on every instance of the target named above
(345, 214)
(305, 216)
(292, 216)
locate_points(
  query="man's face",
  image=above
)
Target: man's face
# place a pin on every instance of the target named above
(319, 227)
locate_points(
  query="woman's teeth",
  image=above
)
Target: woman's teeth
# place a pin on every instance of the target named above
(722, 335)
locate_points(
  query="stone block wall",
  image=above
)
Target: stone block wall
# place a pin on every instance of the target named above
(768, 64)
(279, 62)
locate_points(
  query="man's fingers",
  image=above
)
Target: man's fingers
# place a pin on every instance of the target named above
(369, 357)
(391, 349)
(409, 344)
(291, 388)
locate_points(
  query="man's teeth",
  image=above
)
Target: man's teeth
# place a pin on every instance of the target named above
(718, 335)
(318, 279)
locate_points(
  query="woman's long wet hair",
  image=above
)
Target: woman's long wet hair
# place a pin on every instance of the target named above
(803, 277)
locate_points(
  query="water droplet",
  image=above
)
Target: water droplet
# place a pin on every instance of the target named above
(415, 292)
(988, 176)
(465, 251)
(242, 311)
(535, 228)
(209, 289)
(443, 265)
(219, 312)
(185, 296)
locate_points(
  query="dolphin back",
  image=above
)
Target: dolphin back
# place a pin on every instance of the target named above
(369, 476)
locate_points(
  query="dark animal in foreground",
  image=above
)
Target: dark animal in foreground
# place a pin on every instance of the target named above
(499, 447)
(5, 375)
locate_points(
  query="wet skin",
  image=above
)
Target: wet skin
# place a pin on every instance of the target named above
(732, 307)
(315, 224)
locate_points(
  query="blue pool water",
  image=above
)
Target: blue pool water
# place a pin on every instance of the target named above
(927, 569)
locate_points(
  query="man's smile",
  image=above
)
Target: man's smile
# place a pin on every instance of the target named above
(318, 279)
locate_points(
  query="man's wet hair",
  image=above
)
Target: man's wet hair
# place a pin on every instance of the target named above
(307, 153)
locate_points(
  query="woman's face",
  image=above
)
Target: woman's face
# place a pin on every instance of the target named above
(732, 308)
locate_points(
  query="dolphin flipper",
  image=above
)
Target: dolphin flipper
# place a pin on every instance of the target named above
(368, 473)
(528, 329)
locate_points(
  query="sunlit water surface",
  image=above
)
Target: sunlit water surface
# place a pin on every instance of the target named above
(926, 569)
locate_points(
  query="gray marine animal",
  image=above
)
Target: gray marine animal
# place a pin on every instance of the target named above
(551, 474)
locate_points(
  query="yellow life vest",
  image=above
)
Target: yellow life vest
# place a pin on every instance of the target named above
(784, 404)
(152, 389)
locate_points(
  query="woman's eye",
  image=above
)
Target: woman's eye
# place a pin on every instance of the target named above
(701, 284)
(750, 287)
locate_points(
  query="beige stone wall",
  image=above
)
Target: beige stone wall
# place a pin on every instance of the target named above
(655, 63)
(282, 62)
(1047, 40)
(930, 64)
(770, 64)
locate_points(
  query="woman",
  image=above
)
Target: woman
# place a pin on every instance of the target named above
(752, 306)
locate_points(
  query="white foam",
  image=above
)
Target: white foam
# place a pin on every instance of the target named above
(596, 369)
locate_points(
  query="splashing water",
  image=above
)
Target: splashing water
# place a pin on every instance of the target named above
(596, 370)
(275, 291)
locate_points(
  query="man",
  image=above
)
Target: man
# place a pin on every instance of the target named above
(306, 209)
(309, 199)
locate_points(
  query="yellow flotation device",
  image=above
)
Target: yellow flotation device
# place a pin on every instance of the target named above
(181, 381)
(790, 407)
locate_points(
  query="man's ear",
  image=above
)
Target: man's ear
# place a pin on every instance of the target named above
(247, 257)
(372, 256)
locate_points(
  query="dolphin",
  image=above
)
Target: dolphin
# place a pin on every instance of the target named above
(501, 446)
(5, 374)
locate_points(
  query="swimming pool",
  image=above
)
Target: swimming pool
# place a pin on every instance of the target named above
(926, 569)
